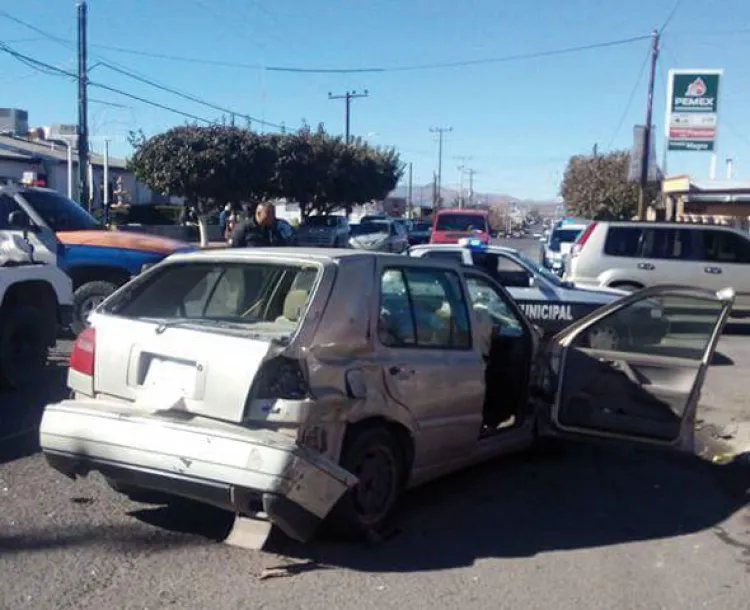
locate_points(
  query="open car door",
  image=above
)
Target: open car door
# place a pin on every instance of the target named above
(634, 369)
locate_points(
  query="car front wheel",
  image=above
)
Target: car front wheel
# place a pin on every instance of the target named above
(85, 299)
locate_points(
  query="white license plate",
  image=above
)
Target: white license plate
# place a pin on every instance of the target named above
(166, 376)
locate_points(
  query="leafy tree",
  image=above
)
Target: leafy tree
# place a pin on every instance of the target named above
(597, 187)
(207, 166)
(323, 174)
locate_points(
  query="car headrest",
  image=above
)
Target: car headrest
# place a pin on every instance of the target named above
(294, 304)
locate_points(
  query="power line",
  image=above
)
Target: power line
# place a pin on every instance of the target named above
(50, 69)
(186, 96)
(629, 103)
(362, 70)
(129, 73)
(670, 16)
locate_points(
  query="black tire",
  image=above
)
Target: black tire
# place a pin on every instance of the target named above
(85, 298)
(352, 518)
(629, 286)
(24, 344)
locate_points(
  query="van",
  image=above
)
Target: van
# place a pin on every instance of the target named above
(558, 242)
(451, 225)
(633, 255)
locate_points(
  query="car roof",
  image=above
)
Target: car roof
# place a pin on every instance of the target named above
(490, 248)
(473, 211)
(321, 256)
(695, 226)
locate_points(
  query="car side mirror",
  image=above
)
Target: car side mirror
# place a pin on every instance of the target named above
(20, 220)
(532, 281)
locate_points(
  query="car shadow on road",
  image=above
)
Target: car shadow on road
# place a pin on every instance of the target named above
(524, 506)
(21, 411)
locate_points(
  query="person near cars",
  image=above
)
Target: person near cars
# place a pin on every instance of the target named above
(224, 218)
(259, 230)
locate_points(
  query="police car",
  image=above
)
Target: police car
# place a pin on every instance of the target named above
(557, 245)
(549, 302)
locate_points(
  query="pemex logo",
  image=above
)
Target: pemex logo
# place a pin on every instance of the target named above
(697, 88)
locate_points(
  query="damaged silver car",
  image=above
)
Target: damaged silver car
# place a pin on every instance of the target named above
(314, 385)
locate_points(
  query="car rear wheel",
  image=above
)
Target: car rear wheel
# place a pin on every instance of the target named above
(23, 346)
(375, 457)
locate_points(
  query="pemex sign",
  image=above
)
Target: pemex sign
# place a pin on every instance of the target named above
(692, 109)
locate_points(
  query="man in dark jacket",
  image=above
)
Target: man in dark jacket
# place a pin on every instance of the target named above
(259, 231)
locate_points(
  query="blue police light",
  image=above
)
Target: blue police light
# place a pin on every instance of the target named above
(473, 243)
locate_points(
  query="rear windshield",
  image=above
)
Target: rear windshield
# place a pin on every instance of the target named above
(563, 236)
(460, 222)
(263, 296)
(371, 227)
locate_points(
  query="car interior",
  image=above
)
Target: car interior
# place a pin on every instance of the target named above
(432, 317)
(508, 370)
(233, 293)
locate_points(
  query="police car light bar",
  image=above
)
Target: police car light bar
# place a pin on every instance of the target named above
(473, 243)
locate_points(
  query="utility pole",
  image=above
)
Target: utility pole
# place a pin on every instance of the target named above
(461, 169)
(409, 203)
(348, 97)
(471, 173)
(439, 183)
(647, 127)
(83, 119)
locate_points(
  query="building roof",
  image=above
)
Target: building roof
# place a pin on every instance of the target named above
(28, 150)
(684, 185)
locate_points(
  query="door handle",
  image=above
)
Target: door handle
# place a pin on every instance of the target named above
(401, 370)
(646, 266)
(712, 270)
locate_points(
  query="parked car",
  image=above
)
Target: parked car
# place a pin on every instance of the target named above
(288, 232)
(379, 236)
(450, 225)
(35, 301)
(419, 232)
(331, 231)
(62, 233)
(631, 255)
(557, 244)
(361, 375)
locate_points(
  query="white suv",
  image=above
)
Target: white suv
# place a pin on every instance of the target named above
(632, 255)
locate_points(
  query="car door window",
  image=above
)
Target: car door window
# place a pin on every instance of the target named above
(486, 298)
(8, 205)
(454, 256)
(725, 247)
(623, 241)
(423, 308)
(505, 270)
(633, 372)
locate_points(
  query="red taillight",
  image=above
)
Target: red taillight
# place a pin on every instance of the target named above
(582, 239)
(82, 357)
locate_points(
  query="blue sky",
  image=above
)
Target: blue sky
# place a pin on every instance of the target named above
(518, 121)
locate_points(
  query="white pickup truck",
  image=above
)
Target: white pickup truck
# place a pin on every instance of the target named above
(35, 300)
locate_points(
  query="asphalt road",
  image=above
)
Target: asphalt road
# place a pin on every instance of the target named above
(592, 528)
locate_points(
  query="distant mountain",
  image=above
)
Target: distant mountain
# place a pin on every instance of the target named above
(422, 194)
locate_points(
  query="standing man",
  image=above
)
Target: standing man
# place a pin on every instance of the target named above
(258, 231)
